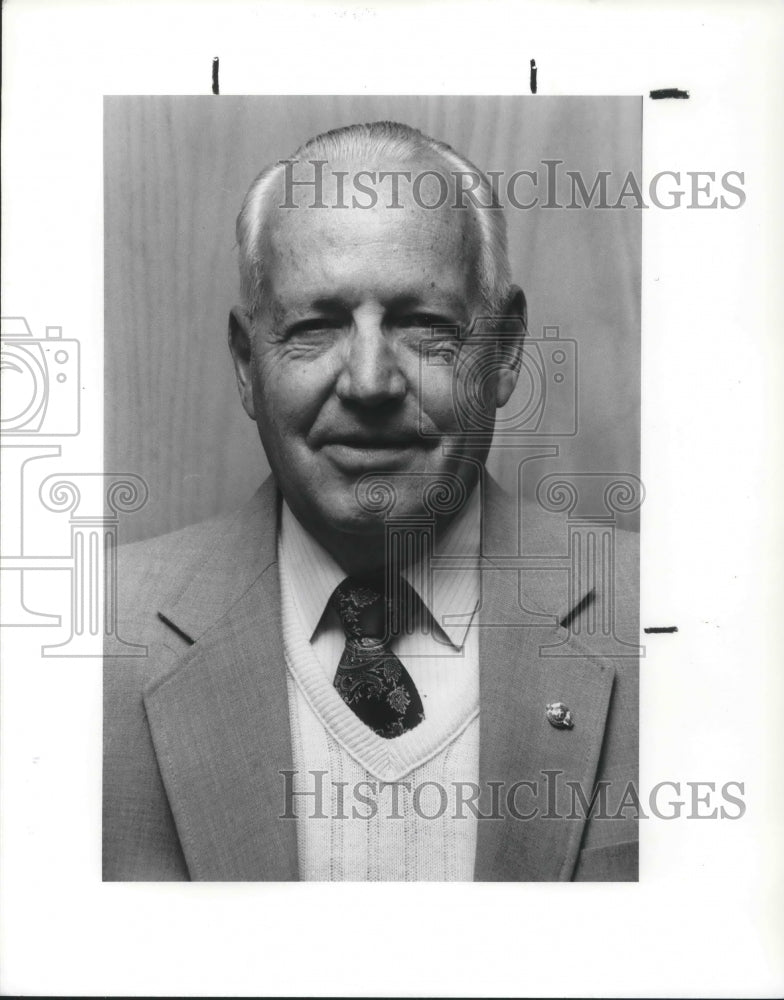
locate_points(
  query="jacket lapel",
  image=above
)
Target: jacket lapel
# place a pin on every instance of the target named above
(517, 743)
(220, 719)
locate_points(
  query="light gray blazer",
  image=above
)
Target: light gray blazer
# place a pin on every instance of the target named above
(196, 732)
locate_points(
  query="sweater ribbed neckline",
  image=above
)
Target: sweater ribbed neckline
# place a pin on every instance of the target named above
(386, 760)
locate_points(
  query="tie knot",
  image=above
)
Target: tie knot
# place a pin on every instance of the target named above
(363, 611)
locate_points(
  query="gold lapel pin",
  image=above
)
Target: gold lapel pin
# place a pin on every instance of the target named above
(559, 715)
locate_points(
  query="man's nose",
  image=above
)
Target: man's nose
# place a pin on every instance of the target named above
(371, 373)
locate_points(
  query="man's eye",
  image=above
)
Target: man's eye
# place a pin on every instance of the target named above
(421, 321)
(442, 353)
(318, 324)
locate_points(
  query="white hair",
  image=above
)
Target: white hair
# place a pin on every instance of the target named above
(398, 142)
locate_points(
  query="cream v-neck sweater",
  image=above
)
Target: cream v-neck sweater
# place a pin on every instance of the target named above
(366, 808)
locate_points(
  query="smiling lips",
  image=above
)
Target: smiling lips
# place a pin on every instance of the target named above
(353, 452)
(375, 441)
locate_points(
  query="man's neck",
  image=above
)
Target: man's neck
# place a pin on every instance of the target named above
(371, 559)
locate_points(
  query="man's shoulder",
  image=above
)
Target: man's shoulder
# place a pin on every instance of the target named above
(221, 545)
(569, 557)
(541, 532)
(160, 564)
(197, 571)
(162, 548)
(546, 533)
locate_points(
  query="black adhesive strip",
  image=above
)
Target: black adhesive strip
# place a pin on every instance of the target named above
(659, 95)
(215, 68)
(663, 628)
(533, 76)
(567, 620)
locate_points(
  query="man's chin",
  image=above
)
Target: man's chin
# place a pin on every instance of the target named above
(350, 520)
(369, 510)
(365, 512)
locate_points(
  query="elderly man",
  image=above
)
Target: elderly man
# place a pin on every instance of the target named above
(354, 677)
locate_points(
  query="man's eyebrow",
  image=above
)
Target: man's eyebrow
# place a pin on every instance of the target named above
(441, 306)
(333, 303)
(323, 304)
(418, 302)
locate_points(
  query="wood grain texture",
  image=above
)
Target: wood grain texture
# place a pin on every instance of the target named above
(176, 170)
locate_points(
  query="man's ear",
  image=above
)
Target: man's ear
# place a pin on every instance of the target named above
(240, 339)
(511, 347)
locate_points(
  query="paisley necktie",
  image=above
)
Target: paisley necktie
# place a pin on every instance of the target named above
(370, 678)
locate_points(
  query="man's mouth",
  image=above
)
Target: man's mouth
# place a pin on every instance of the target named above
(375, 441)
(377, 453)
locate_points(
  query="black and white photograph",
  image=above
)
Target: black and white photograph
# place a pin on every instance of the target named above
(411, 652)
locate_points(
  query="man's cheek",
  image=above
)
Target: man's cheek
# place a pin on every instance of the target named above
(279, 386)
(437, 399)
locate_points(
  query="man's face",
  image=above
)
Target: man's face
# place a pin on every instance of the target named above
(331, 368)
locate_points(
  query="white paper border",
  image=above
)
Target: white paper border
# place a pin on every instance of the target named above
(706, 918)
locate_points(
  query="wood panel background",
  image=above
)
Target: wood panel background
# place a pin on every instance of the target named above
(176, 170)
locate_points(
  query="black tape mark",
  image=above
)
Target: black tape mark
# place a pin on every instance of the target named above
(215, 68)
(663, 628)
(567, 620)
(658, 95)
(533, 76)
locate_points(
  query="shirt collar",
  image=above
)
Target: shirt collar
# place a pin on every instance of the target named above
(313, 574)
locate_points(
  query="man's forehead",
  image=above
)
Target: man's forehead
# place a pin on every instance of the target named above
(421, 188)
(340, 216)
